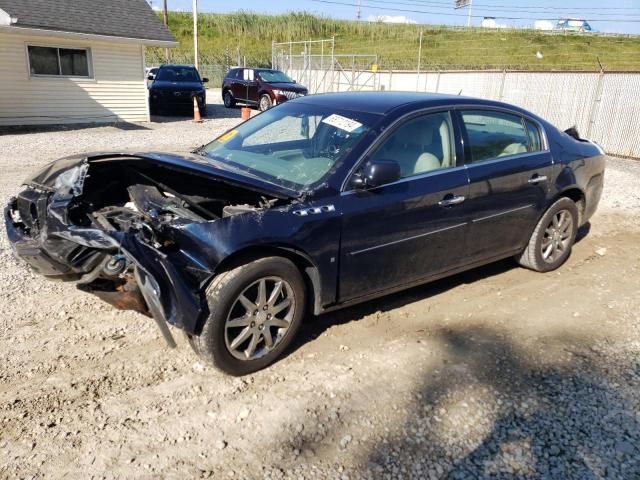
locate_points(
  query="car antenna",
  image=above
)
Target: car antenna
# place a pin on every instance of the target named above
(460, 92)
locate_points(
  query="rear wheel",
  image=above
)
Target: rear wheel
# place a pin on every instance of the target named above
(256, 311)
(227, 98)
(265, 102)
(551, 242)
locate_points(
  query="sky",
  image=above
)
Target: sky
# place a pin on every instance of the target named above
(602, 16)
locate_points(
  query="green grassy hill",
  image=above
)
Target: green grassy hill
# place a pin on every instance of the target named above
(397, 44)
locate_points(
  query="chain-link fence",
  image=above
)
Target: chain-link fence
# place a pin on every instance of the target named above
(603, 106)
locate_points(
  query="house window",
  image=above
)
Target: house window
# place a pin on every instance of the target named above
(61, 62)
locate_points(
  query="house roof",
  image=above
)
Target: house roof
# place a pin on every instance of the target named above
(115, 18)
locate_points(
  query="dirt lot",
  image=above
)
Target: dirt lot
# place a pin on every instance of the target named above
(496, 372)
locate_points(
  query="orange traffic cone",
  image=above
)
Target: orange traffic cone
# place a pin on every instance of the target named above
(246, 113)
(196, 111)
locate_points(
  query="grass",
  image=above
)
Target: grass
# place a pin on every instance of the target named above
(224, 38)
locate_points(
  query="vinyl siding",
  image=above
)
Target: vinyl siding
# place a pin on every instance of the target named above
(117, 91)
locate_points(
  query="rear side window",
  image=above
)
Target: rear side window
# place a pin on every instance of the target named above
(535, 140)
(495, 134)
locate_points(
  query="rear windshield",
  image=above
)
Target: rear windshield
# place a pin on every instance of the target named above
(178, 74)
(274, 76)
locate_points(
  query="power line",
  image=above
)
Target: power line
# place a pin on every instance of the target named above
(593, 17)
(407, 10)
(448, 5)
(525, 7)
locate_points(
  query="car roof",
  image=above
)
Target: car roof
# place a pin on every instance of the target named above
(175, 65)
(383, 102)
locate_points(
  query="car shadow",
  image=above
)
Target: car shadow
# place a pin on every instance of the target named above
(313, 328)
(214, 111)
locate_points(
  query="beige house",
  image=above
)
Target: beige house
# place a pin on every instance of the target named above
(76, 61)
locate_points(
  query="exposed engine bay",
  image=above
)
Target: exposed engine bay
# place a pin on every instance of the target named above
(116, 226)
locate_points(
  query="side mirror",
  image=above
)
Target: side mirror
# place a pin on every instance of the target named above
(151, 77)
(377, 173)
(205, 80)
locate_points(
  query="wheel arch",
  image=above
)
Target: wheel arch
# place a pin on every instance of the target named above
(300, 259)
(577, 195)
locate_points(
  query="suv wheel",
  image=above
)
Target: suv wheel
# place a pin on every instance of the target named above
(227, 98)
(265, 102)
(554, 235)
(256, 311)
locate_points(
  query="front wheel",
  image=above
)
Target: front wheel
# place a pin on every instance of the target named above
(265, 102)
(256, 311)
(554, 235)
(227, 98)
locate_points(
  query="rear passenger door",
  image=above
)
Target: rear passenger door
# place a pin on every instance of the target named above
(509, 167)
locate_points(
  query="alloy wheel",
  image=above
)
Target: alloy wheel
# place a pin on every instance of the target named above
(557, 236)
(265, 103)
(259, 318)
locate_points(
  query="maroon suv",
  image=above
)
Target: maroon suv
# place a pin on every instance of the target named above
(259, 87)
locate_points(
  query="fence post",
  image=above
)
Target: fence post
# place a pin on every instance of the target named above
(504, 77)
(333, 62)
(273, 54)
(593, 111)
(419, 59)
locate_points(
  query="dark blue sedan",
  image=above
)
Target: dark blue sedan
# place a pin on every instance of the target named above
(319, 203)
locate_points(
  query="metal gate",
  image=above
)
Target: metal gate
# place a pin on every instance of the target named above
(315, 64)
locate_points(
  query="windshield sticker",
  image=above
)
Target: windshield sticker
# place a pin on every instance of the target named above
(227, 136)
(343, 123)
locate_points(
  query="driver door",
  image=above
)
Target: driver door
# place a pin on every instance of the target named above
(411, 229)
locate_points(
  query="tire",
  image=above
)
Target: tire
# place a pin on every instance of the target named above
(552, 234)
(214, 344)
(227, 98)
(265, 103)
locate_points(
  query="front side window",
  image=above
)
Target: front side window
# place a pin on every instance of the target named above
(494, 134)
(295, 145)
(420, 145)
(53, 61)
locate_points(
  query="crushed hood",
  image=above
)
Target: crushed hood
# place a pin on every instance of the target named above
(61, 171)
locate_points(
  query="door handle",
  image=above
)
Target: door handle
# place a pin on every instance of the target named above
(447, 202)
(536, 179)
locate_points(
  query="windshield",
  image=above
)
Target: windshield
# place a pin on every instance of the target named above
(294, 145)
(178, 74)
(274, 76)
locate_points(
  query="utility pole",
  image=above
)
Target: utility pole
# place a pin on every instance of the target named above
(358, 10)
(166, 24)
(469, 15)
(195, 33)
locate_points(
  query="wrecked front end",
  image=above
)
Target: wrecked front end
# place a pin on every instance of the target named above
(119, 227)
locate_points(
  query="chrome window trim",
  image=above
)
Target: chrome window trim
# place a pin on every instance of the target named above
(543, 135)
(419, 176)
(388, 131)
(543, 131)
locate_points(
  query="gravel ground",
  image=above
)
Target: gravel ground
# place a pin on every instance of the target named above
(499, 372)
